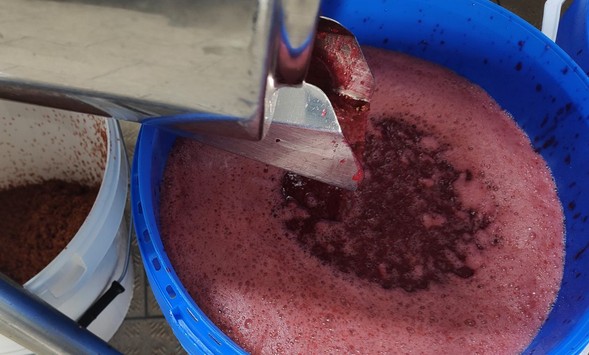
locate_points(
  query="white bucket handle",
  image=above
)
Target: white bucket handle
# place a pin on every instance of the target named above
(551, 18)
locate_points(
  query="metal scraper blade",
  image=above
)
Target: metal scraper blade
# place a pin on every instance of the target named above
(303, 128)
(304, 137)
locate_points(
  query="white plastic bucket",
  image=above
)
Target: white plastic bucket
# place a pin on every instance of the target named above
(551, 18)
(40, 143)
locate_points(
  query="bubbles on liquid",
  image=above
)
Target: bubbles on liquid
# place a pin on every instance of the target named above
(531, 233)
(470, 322)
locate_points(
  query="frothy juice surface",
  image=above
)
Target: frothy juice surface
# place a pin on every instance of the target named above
(452, 244)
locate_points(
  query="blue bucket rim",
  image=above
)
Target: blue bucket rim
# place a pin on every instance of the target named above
(177, 305)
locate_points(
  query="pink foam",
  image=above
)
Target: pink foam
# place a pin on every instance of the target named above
(223, 227)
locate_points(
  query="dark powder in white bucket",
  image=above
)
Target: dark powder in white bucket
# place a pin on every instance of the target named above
(452, 244)
(37, 221)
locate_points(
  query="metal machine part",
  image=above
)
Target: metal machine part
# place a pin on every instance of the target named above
(203, 69)
(139, 59)
(323, 155)
(36, 325)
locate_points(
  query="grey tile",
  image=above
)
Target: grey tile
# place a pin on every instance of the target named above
(138, 303)
(146, 336)
(153, 309)
(129, 131)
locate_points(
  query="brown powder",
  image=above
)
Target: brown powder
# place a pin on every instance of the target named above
(37, 221)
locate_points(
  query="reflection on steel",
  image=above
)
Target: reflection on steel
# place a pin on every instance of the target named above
(150, 58)
(37, 326)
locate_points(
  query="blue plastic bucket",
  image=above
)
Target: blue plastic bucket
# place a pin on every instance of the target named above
(573, 33)
(524, 71)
